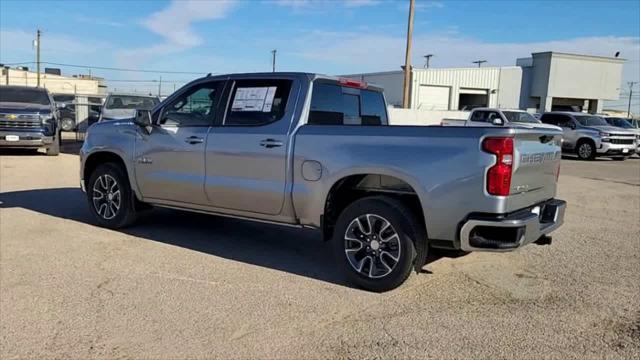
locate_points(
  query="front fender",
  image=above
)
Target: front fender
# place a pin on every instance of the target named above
(117, 138)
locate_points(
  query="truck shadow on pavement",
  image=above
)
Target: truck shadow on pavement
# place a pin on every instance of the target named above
(297, 251)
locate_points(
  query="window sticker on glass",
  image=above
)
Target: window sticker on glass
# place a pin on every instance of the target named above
(254, 99)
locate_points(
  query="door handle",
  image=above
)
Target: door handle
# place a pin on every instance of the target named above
(194, 140)
(271, 143)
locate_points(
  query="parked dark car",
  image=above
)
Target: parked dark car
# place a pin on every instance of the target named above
(29, 119)
(68, 118)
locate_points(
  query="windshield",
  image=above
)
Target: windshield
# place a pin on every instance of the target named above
(29, 96)
(620, 122)
(520, 117)
(131, 102)
(588, 120)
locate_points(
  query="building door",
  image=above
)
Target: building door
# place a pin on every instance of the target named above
(432, 97)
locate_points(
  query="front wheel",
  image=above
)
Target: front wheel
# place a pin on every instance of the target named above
(67, 124)
(374, 242)
(110, 197)
(586, 151)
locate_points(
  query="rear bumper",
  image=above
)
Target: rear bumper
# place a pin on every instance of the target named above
(510, 232)
(25, 139)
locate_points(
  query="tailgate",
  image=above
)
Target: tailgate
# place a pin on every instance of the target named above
(537, 155)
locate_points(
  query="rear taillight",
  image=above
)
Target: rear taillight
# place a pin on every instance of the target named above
(499, 175)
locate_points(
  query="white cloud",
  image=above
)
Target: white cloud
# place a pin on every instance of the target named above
(359, 3)
(365, 52)
(370, 52)
(323, 4)
(20, 42)
(428, 4)
(174, 24)
(86, 19)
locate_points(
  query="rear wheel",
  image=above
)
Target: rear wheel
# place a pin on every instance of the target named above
(67, 124)
(586, 150)
(374, 242)
(110, 197)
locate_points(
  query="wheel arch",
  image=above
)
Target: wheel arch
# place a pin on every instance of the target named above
(349, 188)
(94, 159)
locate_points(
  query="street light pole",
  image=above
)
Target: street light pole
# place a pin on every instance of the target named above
(38, 56)
(480, 62)
(273, 60)
(427, 58)
(407, 57)
(631, 83)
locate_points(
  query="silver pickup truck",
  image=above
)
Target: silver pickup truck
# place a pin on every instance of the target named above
(314, 151)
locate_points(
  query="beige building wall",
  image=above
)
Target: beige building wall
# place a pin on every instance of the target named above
(559, 78)
(56, 84)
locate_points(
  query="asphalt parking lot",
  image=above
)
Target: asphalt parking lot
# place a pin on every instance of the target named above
(181, 285)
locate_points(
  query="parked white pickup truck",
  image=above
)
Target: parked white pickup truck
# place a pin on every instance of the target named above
(499, 117)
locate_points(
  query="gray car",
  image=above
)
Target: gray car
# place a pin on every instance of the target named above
(118, 106)
(590, 135)
(313, 151)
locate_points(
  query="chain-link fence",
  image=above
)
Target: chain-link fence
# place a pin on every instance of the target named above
(80, 112)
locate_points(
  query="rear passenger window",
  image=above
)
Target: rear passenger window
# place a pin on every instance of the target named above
(549, 119)
(484, 116)
(333, 104)
(257, 102)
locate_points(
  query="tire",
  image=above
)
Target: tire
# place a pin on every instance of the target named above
(113, 211)
(68, 124)
(54, 148)
(355, 248)
(586, 150)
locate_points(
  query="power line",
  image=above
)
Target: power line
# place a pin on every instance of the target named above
(113, 68)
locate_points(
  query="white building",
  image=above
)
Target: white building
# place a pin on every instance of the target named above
(55, 83)
(559, 81)
(546, 81)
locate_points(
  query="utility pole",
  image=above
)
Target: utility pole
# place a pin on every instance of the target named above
(38, 56)
(160, 86)
(480, 62)
(407, 57)
(427, 58)
(631, 83)
(273, 60)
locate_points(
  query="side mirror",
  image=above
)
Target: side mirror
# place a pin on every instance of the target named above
(143, 119)
(497, 121)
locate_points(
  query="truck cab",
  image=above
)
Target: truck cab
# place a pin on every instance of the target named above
(29, 119)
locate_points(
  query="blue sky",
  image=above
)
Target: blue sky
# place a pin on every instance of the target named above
(324, 36)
